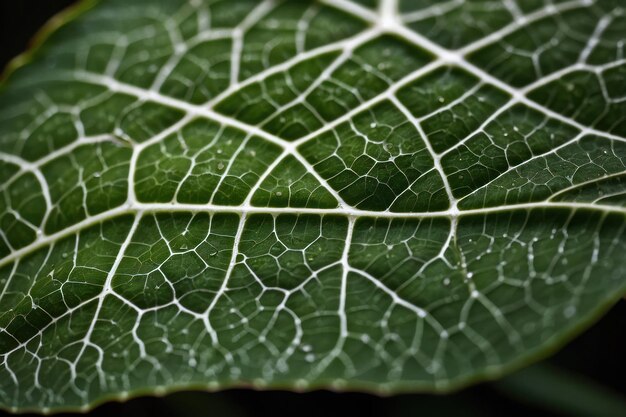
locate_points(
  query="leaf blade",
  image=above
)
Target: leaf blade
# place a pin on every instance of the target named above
(340, 239)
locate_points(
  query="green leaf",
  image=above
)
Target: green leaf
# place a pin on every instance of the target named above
(565, 393)
(293, 194)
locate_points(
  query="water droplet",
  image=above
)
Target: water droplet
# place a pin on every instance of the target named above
(372, 125)
(432, 368)
(309, 357)
(569, 312)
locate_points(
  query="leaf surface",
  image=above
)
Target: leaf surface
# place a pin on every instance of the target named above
(392, 197)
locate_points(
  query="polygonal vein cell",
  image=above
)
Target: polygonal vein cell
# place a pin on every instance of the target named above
(367, 194)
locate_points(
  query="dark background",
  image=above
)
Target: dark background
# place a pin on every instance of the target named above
(590, 369)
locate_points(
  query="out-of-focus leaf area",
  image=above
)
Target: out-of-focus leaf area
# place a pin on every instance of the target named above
(586, 378)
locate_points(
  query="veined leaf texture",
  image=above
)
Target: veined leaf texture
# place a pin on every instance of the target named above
(389, 196)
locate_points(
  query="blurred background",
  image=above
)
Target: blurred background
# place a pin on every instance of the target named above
(586, 378)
